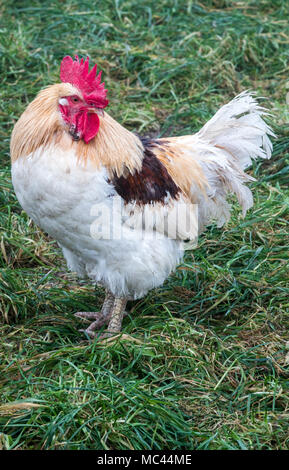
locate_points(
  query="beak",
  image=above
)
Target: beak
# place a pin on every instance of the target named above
(73, 132)
(98, 111)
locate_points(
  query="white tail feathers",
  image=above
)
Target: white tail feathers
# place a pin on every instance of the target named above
(227, 144)
(239, 128)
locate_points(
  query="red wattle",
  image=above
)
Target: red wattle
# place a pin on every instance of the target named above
(91, 126)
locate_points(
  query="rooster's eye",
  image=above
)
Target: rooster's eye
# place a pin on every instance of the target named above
(75, 99)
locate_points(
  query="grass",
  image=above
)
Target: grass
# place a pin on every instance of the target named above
(203, 363)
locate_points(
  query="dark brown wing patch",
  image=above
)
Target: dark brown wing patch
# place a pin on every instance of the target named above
(151, 184)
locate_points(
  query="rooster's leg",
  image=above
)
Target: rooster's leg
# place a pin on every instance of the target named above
(101, 318)
(116, 317)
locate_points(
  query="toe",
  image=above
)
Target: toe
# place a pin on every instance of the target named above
(93, 327)
(87, 315)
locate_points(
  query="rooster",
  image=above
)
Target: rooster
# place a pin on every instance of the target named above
(71, 161)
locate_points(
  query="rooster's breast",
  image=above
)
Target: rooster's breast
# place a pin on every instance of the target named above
(58, 192)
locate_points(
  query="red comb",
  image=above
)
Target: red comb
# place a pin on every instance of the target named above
(88, 82)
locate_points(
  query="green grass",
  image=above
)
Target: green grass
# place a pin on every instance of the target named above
(203, 363)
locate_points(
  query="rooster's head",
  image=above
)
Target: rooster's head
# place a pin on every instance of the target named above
(80, 111)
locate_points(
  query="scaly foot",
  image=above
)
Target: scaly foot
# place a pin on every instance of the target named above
(101, 318)
(111, 314)
(100, 321)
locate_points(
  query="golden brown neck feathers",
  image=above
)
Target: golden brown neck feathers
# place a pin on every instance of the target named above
(39, 123)
(116, 148)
